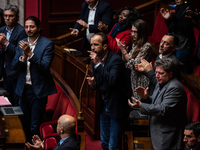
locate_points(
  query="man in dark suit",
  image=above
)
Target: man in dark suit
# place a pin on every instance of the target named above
(33, 59)
(95, 16)
(10, 35)
(166, 107)
(167, 49)
(110, 78)
(66, 130)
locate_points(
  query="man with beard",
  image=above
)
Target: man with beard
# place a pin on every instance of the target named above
(192, 136)
(109, 76)
(33, 59)
(10, 35)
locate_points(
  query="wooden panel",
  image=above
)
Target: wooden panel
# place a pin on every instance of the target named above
(72, 70)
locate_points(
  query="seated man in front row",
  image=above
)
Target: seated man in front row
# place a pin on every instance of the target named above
(66, 130)
(166, 107)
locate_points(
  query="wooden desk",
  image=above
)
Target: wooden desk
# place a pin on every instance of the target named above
(13, 137)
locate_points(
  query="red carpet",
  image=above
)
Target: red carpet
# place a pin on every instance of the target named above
(92, 144)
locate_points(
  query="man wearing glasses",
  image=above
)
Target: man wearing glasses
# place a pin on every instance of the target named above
(10, 35)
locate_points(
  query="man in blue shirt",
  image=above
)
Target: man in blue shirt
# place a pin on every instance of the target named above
(66, 130)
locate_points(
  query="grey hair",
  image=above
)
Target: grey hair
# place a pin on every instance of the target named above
(167, 64)
(13, 8)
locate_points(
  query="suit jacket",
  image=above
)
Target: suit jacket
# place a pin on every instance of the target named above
(104, 13)
(69, 144)
(124, 36)
(111, 81)
(152, 77)
(42, 81)
(167, 115)
(8, 53)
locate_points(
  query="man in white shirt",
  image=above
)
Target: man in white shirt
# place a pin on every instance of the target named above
(95, 16)
(33, 59)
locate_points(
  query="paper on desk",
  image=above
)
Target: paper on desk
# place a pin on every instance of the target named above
(4, 101)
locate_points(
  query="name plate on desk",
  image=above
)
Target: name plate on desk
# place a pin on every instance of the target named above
(12, 110)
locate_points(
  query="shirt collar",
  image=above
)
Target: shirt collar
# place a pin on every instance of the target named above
(10, 31)
(104, 58)
(33, 42)
(161, 56)
(95, 7)
(62, 140)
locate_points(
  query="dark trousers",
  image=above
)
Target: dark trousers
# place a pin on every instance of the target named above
(10, 86)
(33, 109)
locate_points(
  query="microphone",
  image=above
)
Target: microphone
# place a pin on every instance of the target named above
(88, 60)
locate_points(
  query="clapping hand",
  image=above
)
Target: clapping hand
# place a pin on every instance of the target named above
(38, 144)
(144, 66)
(166, 13)
(102, 27)
(142, 92)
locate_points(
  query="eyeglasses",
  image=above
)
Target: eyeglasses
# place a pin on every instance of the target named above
(9, 16)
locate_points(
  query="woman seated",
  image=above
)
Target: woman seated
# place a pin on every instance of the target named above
(140, 49)
(121, 30)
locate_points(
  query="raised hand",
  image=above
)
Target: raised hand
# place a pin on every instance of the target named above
(165, 13)
(102, 27)
(142, 92)
(82, 23)
(136, 103)
(37, 144)
(74, 32)
(144, 66)
(94, 57)
(91, 81)
(26, 48)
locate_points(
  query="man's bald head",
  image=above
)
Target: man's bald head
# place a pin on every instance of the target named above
(66, 125)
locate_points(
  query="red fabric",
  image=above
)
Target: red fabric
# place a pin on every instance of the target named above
(192, 107)
(159, 30)
(61, 106)
(124, 36)
(50, 143)
(48, 128)
(197, 70)
(196, 35)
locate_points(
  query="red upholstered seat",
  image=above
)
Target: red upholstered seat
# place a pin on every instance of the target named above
(192, 107)
(63, 106)
(50, 143)
(159, 30)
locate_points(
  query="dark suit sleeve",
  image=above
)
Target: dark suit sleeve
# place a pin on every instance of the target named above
(106, 13)
(169, 103)
(12, 48)
(152, 77)
(43, 63)
(82, 16)
(16, 64)
(111, 75)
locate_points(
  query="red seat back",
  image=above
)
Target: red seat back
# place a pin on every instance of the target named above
(159, 30)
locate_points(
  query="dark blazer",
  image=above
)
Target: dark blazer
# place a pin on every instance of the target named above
(112, 82)
(8, 53)
(42, 81)
(167, 115)
(104, 13)
(69, 144)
